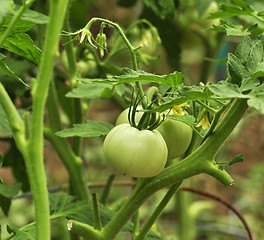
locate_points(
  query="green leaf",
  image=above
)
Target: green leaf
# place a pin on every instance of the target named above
(34, 17)
(235, 30)
(6, 192)
(5, 204)
(15, 161)
(238, 158)
(164, 9)
(9, 72)
(129, 75)
(243, 49)
(67, 206)
(4, 123)
(183, 95)
(186, 118)
(249, 84)
(90, 129)
(20, 26)
(256, 99)
(27, 233)
(22, 45)
(229, 11)
(88, 90)
(236, 69)
(244, 5)
(255, 56)
(9, 191)
(225, 90)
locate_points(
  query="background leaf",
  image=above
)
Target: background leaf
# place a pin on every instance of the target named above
(186, 118)
(225, 90)
(256, 99)
(6, 193)
(22, 45)
(90, 129)
(28, 232)
(9, 72)
(129, 75)
(238, 158)
(89, 90)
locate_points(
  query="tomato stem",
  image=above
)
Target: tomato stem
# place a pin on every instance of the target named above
(155, 215)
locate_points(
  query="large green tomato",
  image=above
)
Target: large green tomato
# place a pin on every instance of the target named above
(137, 153)
(176, 134)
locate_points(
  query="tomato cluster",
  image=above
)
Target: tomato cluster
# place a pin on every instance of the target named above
(144, 153)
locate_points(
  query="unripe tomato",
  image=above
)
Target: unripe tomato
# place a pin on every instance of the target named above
(137, 153)
(123, 117)
(177, 135)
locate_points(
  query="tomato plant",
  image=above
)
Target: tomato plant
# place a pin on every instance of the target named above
(52, 78)
(137, 153)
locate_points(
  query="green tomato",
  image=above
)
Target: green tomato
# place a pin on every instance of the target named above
(135, 153)
(177, 135)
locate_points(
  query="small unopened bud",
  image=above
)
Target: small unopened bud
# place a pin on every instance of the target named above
(101, 41)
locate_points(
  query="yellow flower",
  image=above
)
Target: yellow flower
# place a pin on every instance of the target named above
(178, 109)
(204, 122)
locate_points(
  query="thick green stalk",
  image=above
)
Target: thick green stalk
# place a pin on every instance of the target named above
(17, 16)
(34, 158)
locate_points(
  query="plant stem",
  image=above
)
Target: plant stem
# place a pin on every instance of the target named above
(34, 159)
(77, 108)
(14, 119)
(96, 213)
(17, 16)
(144, 231)
(84, 230)
(186, 228)
(131, 49)
(72, 163)
(107, 189)
(136, 225)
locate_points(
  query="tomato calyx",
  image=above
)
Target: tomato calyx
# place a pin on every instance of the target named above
(149, 119)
